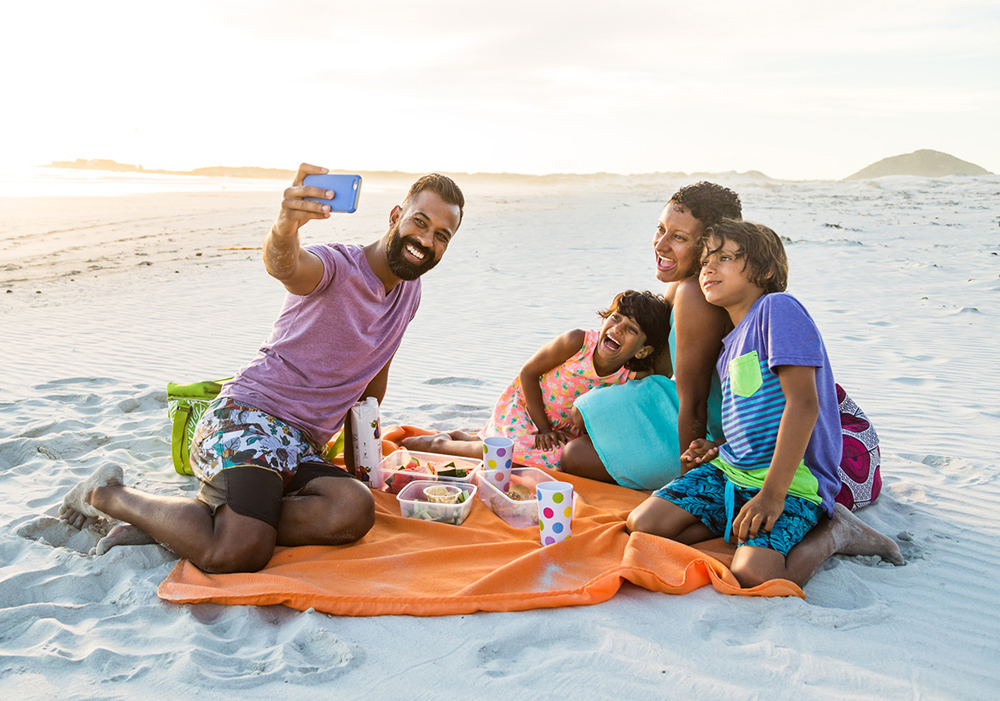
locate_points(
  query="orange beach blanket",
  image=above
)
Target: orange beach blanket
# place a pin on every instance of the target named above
(420, 568)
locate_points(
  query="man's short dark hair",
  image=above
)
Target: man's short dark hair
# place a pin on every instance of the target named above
(763, 254)
(652, 314)
(443, 186)
(708, 202)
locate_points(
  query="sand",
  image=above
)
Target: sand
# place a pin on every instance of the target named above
(109, 299)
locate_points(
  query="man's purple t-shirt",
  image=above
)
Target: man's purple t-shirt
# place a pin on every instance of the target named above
(777, 331)
(326, 346)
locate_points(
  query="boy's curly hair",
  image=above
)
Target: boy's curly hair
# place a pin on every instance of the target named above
(709, 203)
(764, 261)
(652, 313)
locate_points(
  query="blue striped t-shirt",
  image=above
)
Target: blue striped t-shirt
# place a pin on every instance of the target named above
(776, 331)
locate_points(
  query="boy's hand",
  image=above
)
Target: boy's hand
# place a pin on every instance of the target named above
(700, 451)
(758, 514)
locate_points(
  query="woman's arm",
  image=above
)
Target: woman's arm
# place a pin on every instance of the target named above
(550, 356)
(662, 364)
(700, 329)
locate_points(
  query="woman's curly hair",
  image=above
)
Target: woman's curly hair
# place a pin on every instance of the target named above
(709, 203)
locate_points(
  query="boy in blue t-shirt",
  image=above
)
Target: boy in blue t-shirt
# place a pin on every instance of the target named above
(775, 475)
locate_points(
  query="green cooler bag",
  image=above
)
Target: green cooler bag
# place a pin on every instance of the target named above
(185, 405)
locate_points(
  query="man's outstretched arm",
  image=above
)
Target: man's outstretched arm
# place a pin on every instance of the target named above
(285, 259)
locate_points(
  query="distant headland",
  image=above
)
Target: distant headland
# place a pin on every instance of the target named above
(212, 172)
(282, 174)
(924, 163)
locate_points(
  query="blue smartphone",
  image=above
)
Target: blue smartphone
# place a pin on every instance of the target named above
(346, 190)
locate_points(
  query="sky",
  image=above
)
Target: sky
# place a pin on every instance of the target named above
(797, 90)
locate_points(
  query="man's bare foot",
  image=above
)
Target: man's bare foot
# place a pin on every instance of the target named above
(76, 509)
(855, 537)
(122, 534)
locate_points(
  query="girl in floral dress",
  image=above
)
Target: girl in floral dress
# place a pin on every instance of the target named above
(535, 409)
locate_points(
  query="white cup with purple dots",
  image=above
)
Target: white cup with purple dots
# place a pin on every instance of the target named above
(498, 456)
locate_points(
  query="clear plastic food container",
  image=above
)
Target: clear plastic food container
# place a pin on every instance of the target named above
(417, 500)
(389, 475)
(521, 513)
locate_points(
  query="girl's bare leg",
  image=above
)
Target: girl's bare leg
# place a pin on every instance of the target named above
(460, 443)
(579, 457)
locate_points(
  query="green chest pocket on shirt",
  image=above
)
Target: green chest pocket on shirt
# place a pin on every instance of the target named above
(744, 374)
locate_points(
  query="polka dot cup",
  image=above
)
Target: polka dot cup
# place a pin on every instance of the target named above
(555, 511)
(498, 456)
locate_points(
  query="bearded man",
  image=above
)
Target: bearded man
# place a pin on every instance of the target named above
(257, 450)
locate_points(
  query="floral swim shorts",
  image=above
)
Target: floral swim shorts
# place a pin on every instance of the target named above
(249, 460)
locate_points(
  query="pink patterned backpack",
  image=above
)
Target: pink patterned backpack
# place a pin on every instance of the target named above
(860, 479)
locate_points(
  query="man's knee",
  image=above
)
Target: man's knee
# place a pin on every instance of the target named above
(358, 513)
(350, 514)
(229, 562)
(246, 546)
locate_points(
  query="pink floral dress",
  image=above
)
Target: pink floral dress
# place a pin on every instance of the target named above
(560, 388)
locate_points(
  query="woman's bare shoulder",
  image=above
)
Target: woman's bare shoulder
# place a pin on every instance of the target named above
(688, 295)
(691, 309)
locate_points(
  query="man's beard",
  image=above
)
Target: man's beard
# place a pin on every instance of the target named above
(398, 264)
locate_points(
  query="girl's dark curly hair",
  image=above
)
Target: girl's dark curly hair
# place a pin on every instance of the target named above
(652, 313)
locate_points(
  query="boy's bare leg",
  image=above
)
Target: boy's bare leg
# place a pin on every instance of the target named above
(844, 534)
(664, 518)
(460, 443)
(579, 457)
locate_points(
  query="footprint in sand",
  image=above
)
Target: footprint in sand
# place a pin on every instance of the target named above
(59, 534)
(838, 588)
(311, 657)
(909, 547)
(498, 657)
(455, 381)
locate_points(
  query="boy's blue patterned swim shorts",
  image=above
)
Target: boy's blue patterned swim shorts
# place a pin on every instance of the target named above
(701, 492)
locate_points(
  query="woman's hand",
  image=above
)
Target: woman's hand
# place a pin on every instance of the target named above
(700, 452)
